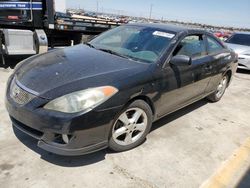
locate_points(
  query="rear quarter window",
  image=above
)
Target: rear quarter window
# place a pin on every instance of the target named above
(214, 46)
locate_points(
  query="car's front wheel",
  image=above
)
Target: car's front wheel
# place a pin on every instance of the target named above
(221, 88)
(131, 127)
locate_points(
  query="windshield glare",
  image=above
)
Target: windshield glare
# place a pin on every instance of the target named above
(138, 43)
(242, 39)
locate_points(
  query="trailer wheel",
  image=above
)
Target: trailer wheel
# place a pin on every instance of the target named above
(1, 49)
(77, 39)
(2, 59)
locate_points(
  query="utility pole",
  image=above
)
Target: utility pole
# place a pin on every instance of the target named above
(150, 12)
(97, 6)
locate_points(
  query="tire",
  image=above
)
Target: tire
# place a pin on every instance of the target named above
(131, 126)
(2, 58)
(77, 39)
(220, 90)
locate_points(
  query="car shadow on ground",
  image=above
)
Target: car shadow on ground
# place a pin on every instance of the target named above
(245, 181)
(173, 116)
(76, 161)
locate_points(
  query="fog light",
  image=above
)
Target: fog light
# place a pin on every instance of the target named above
(65, 138)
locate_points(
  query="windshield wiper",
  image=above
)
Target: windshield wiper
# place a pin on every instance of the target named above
(113, 53)
(120, 55)
(90, 45)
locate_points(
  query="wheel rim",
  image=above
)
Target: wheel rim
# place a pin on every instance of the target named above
(221, 87)
(130, 126)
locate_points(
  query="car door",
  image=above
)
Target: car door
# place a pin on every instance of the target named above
(185, 83)
(219, 56)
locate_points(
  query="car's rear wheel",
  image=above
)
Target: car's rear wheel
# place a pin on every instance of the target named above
(221, 88)
(131, 127)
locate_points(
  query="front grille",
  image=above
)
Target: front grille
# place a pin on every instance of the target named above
(19, 95)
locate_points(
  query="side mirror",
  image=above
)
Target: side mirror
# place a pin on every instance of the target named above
(181, 60)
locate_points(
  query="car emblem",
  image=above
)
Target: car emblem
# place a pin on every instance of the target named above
(16, 91)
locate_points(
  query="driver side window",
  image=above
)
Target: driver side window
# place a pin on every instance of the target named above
(192, 46)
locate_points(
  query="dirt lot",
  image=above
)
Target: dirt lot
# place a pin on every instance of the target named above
(183, 150)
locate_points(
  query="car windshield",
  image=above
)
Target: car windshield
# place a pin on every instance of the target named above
(143, 44)
(242, 39)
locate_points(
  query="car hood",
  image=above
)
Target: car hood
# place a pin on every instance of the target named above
(239, 49)
(73, 68)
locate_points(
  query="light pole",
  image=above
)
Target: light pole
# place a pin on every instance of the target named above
(97, 6)
(150, 12)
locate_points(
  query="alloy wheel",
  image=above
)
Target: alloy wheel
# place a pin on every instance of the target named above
(130, 126)
(221, 87)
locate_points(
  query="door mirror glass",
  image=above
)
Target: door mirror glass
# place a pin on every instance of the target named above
(181, 60)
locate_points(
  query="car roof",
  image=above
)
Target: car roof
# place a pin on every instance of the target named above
(167, 27)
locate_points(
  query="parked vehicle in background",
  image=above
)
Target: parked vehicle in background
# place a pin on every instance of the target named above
(222, 35)
(107, 93)
(218, 34)
(240, 43)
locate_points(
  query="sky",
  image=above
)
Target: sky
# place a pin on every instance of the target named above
(216, 12)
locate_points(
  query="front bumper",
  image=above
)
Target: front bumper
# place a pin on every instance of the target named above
(72, 152)
(87, 133)
(244, 62)
(56, 148)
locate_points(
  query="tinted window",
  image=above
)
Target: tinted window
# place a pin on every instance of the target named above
(140, 43)
(192, 46)
(213, 45)
(242, 39)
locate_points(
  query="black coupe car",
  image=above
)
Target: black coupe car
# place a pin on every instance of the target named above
(107, 93)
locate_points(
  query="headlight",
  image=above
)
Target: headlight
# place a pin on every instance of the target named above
(81, 100)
